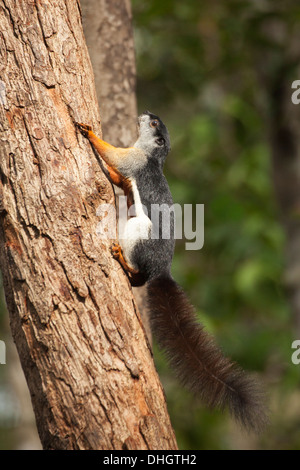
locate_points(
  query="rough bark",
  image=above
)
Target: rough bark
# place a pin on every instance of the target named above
(79, 336)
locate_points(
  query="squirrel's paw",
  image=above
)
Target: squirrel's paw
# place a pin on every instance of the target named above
(116, 250)
(84, 128)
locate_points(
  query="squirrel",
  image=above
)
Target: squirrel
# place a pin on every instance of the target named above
(192, 352)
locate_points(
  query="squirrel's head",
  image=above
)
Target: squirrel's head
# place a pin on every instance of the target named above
(153, 136)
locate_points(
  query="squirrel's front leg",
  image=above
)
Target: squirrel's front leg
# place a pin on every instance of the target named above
(108, 153)
(103, 148)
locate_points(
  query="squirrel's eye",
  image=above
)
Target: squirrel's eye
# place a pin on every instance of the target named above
(154, 123)
(160, 141)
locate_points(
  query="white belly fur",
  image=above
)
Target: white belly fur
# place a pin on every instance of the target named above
(136, 228)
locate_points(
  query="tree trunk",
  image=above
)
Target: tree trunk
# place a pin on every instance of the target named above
(277, 68)
(108, 31)
(285, 147)
(79, 336)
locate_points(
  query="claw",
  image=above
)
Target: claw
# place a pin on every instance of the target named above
(84, 128)
(116, 250)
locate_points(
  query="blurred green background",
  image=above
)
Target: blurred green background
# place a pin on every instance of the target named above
(212, 71)
(209, 70)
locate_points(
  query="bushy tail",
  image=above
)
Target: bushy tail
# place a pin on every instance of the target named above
(198, 362)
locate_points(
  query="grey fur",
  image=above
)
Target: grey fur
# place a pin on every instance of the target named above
(148, 136)
(153, 257)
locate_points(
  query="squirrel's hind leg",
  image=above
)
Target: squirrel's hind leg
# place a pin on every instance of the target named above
(135, 277)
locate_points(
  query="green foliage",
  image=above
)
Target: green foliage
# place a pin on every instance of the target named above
(200, 67)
